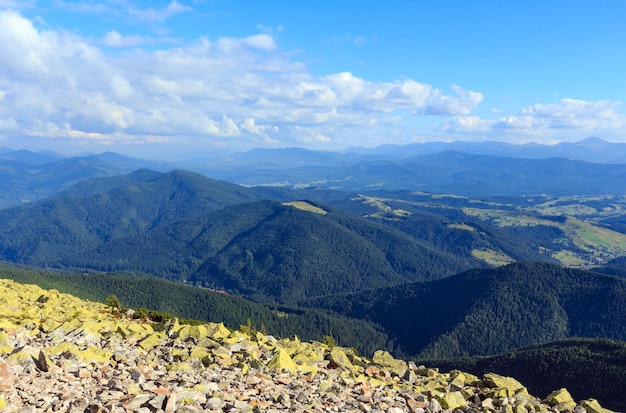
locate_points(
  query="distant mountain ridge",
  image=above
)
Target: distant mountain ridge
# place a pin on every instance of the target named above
(27, 176)
(591, 149)
(59, 226)
(590, 166)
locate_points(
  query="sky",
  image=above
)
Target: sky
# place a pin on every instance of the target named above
(167, 78)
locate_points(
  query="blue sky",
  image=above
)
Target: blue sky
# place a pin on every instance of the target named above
(171, 77)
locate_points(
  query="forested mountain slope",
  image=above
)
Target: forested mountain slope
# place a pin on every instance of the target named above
(488, 311)
(269, 251)
(48, 230)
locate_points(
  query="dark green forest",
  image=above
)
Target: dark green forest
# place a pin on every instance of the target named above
(182, 226)
(489, 311)
(588, 368)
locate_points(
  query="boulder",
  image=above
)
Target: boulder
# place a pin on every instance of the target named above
(386, 360)
(196, 332)
(151, 341)
(282, 360)
(217, 331)
(452, 400)
(338, 358)
(501, 382)
(593, 406)
(561, 398)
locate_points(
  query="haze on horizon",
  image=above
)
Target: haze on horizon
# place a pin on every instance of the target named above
(164, 77)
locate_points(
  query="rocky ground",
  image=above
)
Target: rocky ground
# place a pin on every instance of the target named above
(62, 354)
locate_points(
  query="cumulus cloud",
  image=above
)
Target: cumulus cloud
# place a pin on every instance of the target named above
(245, 90)
(579, 114)
(544, 120)
(344, 90)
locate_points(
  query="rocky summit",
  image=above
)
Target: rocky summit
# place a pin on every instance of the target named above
(59, 353)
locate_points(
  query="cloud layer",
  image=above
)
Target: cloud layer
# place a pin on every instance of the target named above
(236, 92)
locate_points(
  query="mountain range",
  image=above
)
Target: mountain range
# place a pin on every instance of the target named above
(388, 252)
(590, 166)
(185, 227)
(430, 262)
(268, 244)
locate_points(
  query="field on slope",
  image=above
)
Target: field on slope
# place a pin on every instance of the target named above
(577, 231)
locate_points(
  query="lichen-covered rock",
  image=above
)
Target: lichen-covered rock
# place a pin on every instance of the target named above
(150, 341)
(501, 382)
(283, 361)
(452, 400)
(195, 332)
(217, 331)
(593, 406)
(60, 353)
(338, 358)
(385, 359)
(561, 399)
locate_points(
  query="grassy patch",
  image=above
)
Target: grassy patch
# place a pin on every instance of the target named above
(305, 206)
(462, 226)
(492, 257)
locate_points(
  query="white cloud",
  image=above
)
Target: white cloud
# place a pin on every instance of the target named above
(466, 125)
(8, 125)
(158, 16)
(114, 39)
(232, 88)
(240, 90)
(578, 114)
(571, 118)
(16, 4)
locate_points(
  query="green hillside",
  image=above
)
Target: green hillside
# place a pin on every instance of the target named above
(28, 176)
(48, 230)
(273, 252)
(489, 311)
